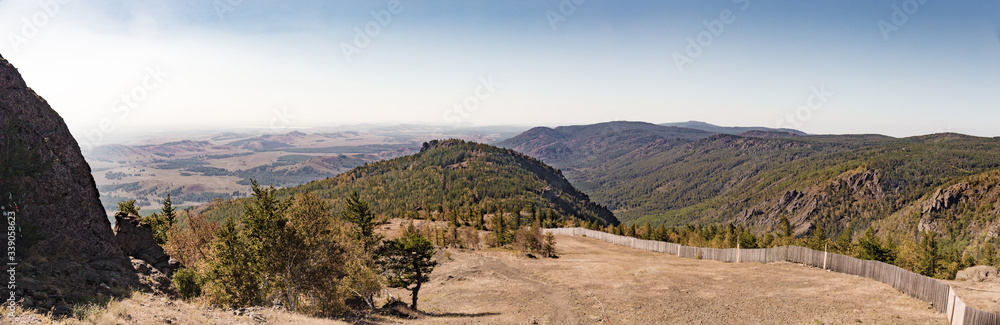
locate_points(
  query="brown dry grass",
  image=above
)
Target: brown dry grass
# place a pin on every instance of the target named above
(591, 282)
(594, 281)
(147, 309)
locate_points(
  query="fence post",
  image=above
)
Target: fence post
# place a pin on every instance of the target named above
(738, 251)
(824, 256)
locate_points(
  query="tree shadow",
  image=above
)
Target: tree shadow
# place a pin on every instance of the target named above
(459, 315)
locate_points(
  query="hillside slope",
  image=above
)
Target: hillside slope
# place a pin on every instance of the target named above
(755, 179)
(582, 146)
(734, 130)
(455, 177)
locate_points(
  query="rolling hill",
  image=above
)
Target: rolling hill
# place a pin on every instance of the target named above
(583, 146)
(734, 130)
(454, 177)
(939, 182)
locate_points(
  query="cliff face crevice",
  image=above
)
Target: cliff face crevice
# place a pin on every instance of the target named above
(66, 249)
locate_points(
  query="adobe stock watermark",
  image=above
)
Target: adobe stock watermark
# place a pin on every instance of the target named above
(900, 15)
(224, 7)
(31, 26)
(714, 28)
(122, 107)
(280, 120)
(818, 98)
(363, 36)
(566, 9)
(9, 212)
(471, 103)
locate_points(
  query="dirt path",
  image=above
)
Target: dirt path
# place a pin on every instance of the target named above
(639, 287)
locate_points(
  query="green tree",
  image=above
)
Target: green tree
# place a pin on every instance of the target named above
(872, 249)
(407, 262)
(786, 227)
(313, 258)
(235, 275)
(129, 207)
(988, 255)
(163, 221)
(549, 245)
(927, 254)
(818, 239)
(500, 231)
(188, 283)
(845, 242)
(358, 213)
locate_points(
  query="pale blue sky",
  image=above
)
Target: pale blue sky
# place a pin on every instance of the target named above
(606, 60)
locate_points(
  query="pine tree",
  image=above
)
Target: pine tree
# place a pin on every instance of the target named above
(358, 213)
(844, 243)
(162, 222)
(786, 227)
(129, 207)
(872, 249)
(818, 239)
(549, 245)
(927, 258)
(235, 276)
(407, 261)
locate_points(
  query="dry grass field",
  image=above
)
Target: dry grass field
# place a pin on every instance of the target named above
(593, 282)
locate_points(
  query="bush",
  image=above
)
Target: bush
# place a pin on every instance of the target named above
(188, 282)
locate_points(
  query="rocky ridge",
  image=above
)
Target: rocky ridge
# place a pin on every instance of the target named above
(65, 248)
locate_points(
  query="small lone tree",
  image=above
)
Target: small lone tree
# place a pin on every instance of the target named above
(549, 245)
(407, 262)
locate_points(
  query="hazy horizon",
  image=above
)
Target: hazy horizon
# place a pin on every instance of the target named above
(899, 68)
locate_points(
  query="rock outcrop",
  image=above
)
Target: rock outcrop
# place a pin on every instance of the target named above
(65, 249)
(977, 273)
(135, 238)
(154, 267)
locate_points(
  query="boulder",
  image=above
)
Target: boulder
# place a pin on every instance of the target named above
(65, 246)
(135, 238)
(154, 267)
(978, 273)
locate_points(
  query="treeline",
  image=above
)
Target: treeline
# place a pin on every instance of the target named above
(518, 231)
(926, 255)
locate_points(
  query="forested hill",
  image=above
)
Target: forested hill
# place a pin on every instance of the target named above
(938, 182)
(454, 177)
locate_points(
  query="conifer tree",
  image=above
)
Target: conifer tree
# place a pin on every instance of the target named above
(407, 263)
(358, 213)
(927, 259)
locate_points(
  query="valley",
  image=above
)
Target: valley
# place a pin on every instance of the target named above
(196, 168)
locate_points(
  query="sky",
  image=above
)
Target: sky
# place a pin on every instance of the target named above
(894, 67)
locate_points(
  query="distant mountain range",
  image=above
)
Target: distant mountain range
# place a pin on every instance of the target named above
(665, 174)
(734, 130)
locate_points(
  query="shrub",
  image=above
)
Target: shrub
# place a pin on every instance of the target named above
(188, 282)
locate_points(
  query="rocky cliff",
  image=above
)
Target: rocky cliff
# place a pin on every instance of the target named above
(65, 248)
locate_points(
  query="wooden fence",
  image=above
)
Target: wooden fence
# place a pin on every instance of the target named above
(940, 295)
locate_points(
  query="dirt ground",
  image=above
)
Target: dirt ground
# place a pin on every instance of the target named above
(594, 282)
